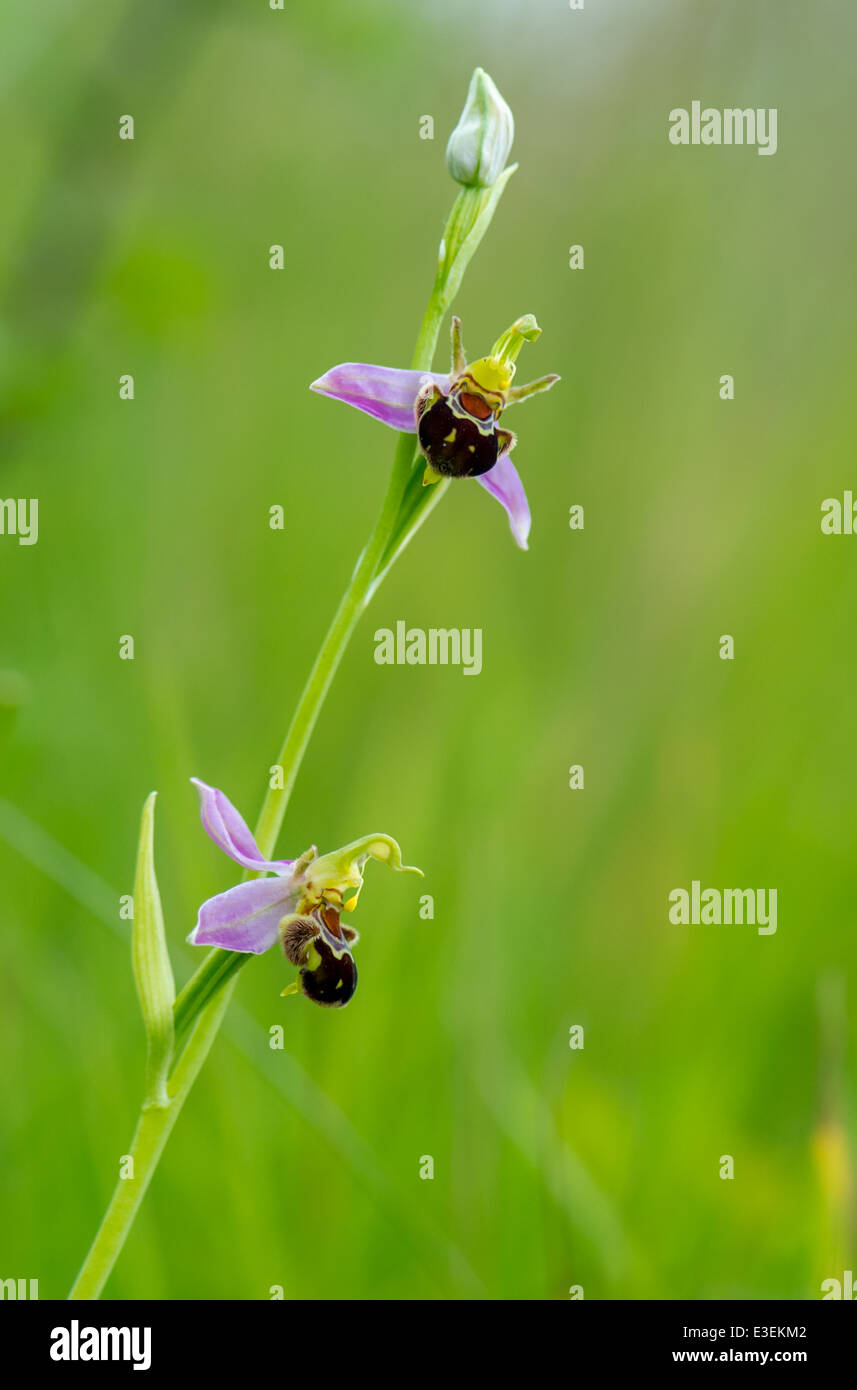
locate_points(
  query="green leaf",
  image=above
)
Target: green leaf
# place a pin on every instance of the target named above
(152, 969)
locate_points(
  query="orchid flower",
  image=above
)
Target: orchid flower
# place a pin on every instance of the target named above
(299, 906)
(454, 417)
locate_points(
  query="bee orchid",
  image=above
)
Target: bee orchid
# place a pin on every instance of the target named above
(299, 906)
(454, 417)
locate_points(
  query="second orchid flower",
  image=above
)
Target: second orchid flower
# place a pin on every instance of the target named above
(299, 907)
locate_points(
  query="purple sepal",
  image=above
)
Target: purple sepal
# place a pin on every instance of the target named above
(244, 918)
(230, 831)
(502, 482)
(387, 394)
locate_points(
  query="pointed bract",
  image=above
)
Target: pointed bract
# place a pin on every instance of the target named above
(151, 959)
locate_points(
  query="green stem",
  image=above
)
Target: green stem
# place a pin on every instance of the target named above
(153, 1130)
(353, 603)
(201, 1004)
(216, 970)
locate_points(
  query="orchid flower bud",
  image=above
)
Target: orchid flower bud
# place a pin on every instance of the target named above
(479, 146)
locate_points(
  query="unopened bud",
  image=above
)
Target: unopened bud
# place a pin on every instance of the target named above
(479, 146)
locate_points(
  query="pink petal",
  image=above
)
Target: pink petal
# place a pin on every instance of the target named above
(244, 918)
(387, 394)
(230, 832)
(502, 482)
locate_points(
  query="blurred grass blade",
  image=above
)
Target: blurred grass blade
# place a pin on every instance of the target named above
(13, 694)
(152, 969)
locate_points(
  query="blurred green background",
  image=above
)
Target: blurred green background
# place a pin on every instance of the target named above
(301, 1168)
